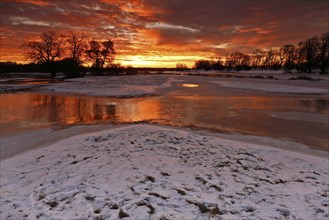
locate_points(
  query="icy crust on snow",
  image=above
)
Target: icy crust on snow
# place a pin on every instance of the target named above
(115, 86)
(152, 172)
(273, 88)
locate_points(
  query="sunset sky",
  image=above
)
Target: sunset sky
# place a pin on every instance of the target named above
(161, 33)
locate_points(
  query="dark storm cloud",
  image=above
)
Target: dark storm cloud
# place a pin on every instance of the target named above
(246, 21)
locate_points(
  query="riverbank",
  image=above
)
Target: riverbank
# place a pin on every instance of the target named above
(125, 86)
(257, 104)
(146, 171)
(11, 144)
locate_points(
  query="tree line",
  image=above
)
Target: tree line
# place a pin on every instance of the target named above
(308, 56)
(67, 52)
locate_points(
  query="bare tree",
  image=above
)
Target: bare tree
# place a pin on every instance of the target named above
(246, 62)
(289, 52)
(280, 57)
(100, 53)
(203, 64)
(323, 59)
(107, 52)
(229, 62)
(258, 56)
(270, 58)
(181, 66)
(236, 60)
(308, 52)
(45, 50)
(76, 45)
(218, 64)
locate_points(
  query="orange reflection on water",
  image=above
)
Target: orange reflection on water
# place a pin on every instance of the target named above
(64, 110)
(32, 110)
(139, 110)
(22, 111)
(258, 103)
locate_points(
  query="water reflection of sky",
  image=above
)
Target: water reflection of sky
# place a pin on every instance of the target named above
(234, 114)
(190, 85)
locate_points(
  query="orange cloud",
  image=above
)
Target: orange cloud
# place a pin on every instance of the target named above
(34, 2)
(255, 29)
(156, 33)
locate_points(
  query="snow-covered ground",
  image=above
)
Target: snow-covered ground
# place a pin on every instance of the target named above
(273, 87)
(115, 86)
(275, 74)
(7, 88)
(143, 85)
(153, 172)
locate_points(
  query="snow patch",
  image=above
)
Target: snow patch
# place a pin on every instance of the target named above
(14, 88)
(152, 172)
(114, 86)
(274, 88)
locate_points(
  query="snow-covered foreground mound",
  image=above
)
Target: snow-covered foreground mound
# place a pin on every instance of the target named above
(144, 171)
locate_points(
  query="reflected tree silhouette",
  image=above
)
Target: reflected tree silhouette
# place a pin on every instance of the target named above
(30, 111)
(318, 105)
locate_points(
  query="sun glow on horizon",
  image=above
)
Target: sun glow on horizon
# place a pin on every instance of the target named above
(157, 61)
(137, 61)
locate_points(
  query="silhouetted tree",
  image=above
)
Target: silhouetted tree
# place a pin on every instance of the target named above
(45, 50)
(203, 64)
(100, 53)
(323, 59)
(181, 66)
(236, 59)
(218, 65)
(229, 62)
(308, 52)
(269, 58)
(258, 56)
(12, 67)
(70, 67)
(281, 57)
(289, 52)
(276, 62)
(246, 62)
(75, 45)
(300, 60)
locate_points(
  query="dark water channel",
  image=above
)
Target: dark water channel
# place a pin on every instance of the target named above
(241, 114)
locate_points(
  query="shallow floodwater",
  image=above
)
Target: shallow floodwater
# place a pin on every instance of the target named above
(242, 114)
